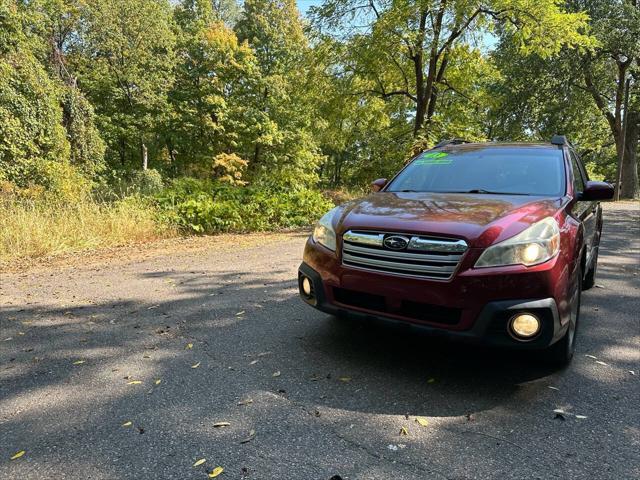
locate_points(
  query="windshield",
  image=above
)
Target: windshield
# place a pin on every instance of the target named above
(499, 170)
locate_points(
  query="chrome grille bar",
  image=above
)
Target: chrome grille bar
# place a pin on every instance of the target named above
(425, 257)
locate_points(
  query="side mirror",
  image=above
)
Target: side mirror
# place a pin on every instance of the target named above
(597, 191)
(378, 184)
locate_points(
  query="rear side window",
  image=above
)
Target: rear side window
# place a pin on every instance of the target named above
(502, 170)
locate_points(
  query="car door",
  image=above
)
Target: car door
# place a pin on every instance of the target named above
(585, 211)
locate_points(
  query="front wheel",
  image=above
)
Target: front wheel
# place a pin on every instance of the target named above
(561, 352)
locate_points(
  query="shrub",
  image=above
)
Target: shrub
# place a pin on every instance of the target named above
(205, 206)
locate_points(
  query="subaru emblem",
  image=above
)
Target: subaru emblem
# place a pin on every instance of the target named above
(396, 242)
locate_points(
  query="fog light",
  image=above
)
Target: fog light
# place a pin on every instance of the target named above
(525, 326)
(306, 286)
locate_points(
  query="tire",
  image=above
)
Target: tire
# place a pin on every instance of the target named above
(561, 352)
(590, 277)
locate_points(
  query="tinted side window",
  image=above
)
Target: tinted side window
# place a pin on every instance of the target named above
(578, 180)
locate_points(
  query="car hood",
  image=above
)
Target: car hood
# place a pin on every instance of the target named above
(480, 219)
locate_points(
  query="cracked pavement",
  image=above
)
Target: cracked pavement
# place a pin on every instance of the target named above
(318, 397)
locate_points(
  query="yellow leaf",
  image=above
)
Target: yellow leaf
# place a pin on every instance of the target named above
(215, 472)
(245, 402)
(200, 462)
(345, 379)
(78, 362)
(196, 365)
(189, 346)
(276, 374)
(422, 421)
(431, 380)
(158, 382)
(404, 431)
(127, 424)
(18, 454)
(134, 382)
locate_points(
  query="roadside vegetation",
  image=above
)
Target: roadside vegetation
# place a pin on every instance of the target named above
(128, 120)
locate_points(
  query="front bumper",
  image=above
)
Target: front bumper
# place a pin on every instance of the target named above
(469, 308)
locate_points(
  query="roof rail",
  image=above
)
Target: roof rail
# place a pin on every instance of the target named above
(560, 140)
(453, 141)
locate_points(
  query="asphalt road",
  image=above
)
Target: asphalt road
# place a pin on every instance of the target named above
(322, 398)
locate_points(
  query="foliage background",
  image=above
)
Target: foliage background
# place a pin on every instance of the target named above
(222, 116)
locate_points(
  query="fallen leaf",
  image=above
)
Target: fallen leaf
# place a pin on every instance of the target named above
(158, 382)
(599, 286)
(552, 388)
(601, 363)
(200, 462)
(78, 362)
(127, 424)
(431, 380)
(276, 374)
(240, 313)
(134, 382)
(591, 356)
(345, 379)
(152, 307)
(392, 447)
(253, 362)
(215, 472)
(221, 424)
(581, 417)
(251, 436)
(245, 402)
(404, 431)
(18, 454)
(422, 421)
(189, 346)
(632, 372)
(196, 365)
(146, 356)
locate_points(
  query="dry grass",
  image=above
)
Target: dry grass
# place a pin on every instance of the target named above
(38, 228)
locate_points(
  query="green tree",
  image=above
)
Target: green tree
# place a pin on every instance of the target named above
(214, 79)
(126, 67)
(281, 146)
(31, 132)
(616, 25)
(406, 47)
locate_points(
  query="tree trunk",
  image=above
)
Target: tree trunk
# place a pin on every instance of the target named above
(629, 187)
(122, 152)
(144, 157)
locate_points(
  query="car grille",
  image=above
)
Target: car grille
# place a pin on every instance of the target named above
(424, 257)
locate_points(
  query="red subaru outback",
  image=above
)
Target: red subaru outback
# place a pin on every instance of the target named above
(488, 242)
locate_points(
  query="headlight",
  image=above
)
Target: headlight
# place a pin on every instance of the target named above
(537, 244)
(324, 233)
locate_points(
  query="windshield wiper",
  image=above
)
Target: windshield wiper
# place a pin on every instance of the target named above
(481, 190)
